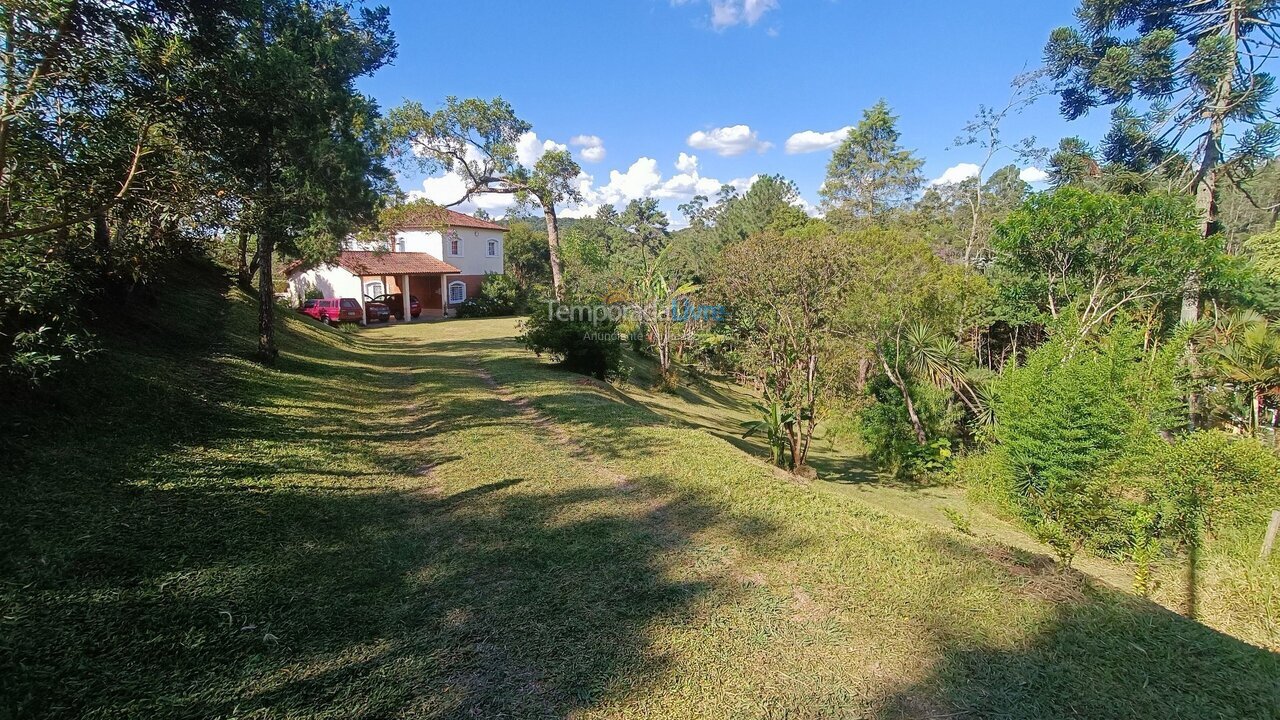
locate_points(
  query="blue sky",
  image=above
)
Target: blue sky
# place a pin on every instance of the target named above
(652, 79)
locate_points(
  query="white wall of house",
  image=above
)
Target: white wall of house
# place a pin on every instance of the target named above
(423, 241)
(332, 280)
(473, 256)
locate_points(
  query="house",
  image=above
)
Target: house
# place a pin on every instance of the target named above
(440, 255)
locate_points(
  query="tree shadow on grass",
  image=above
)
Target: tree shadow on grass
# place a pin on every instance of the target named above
(155, 566)
(495, 601)
(1098, 654)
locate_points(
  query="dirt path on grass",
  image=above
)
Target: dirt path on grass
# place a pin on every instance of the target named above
(561, 436)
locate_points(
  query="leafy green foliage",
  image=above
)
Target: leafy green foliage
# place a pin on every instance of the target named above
(870, 174)
(1074, 424)
(776, 423)
(499, 295)
(578, 344)
(1099, 252)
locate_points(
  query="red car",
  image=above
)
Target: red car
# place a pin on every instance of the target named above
(333, 310)
(395, 301)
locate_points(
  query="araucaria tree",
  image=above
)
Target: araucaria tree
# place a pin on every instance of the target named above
(869, 174)
(1195, 68)
(477, 139)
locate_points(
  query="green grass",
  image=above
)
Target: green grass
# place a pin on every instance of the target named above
(425, 521)
(1235, 592)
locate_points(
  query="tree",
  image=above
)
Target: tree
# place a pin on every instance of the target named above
(1099, 253)
(1073, 164)
(525, 252)
(984, 132)
(958, 218)
(782, 298)
(646, 225)
(290, 135)
(1245, 353)
(1077, 425)
(657, 297)
(869, 174)
(99, 188)
(770, 203)
(477, 140)
(1198, 64)
(894, 283)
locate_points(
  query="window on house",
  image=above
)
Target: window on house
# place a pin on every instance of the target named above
(374, 289)
(457, 292)
(455, 246)
(400, 245)
(493, 248)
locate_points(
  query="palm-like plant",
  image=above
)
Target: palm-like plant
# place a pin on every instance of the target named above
(1246, 354)
(940, 359)
(775, 422)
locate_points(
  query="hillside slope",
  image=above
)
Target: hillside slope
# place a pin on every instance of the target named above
(425, 521)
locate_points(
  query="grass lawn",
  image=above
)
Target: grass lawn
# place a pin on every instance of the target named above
(426, 521)
(1235, 592)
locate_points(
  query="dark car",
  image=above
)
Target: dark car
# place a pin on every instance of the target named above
(395, 301)
(375, 311)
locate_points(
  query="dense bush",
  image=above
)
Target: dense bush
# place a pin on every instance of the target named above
(40, 296)
(499, 295)
(580, 345)
(886, 429)
(1077, 429)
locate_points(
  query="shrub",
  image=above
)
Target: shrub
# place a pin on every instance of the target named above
(886, 428)
(40, 327)
(1077, 427)
(582, 346)
(499, 295)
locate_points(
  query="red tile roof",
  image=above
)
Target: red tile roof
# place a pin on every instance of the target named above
(367, 262)
(431, 217)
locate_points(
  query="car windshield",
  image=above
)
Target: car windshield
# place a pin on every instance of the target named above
(350, 304)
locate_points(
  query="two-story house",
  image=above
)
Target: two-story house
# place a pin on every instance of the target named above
(440, 255)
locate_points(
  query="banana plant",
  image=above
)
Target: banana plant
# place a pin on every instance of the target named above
(775, 422)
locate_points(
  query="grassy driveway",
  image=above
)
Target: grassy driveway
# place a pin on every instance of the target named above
(425, 521)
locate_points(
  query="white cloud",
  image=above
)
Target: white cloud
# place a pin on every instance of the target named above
(728, 141)
(808, 141)
(529, 149)
(688, 182)
(1033, 175)
(640, 180)
(687, 163)
(592, 147)
(448, 188)
(956, 174)
(727, 13)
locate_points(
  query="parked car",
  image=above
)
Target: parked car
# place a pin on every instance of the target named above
(334, 310)
(395, 301)
(308, 307)
(375, 311)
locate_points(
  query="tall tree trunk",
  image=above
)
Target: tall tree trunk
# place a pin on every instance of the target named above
(553, 246)
(916, 425)
(266, 300)
(244, 273)
(1206, 187)
(102, 247)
